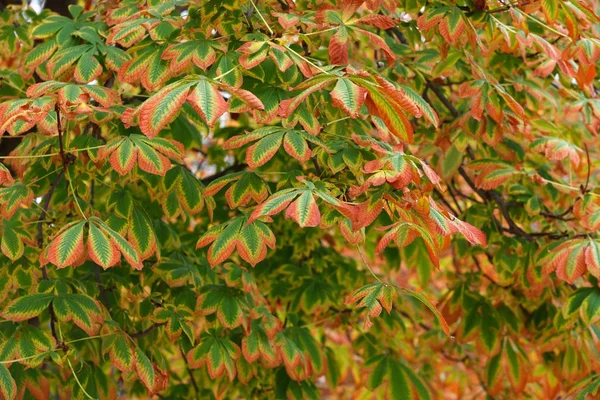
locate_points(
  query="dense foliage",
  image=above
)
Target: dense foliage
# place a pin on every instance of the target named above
(300, 199)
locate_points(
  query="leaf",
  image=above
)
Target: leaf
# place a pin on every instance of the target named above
(27, 307)
(88, 68)
(304, 211)
(224, 243)
(8, 386)
(81, 309)
(228, 304)
(219, 355)
(162, 108)
(296, 146)
(122, 354)
(13, 197)
(432, 307)
(274, 204)
(348, 96)
(144, 369)
(208, 102)
(141, 234)
(258, 344)
(375, 297)
(262, 151)
(67, 249)
(452, 25)
(100, 249)
(13, 237)
(391, 115)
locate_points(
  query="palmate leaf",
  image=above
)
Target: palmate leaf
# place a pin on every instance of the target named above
(246, 187)
(200, 52)
(228, 304)
(13, 238)
(269, 140)
(257, 344)
(375, 297)
(401, 382)
(13, 197)
(187, 189)
(178, 320)
(82, 310)
(104, 246)
(249, 238)
(217, 353)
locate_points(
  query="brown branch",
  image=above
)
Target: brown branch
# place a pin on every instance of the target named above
(147, 331)
(63, 155)
(228, 170)
(446, 203)
(190, 373)
(315, 162)
(440, 94)
(584, 189)
(492, 195)
(40, 242)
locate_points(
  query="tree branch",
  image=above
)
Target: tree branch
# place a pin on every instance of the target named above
(40, 242)
(228, 170)
(147, 331)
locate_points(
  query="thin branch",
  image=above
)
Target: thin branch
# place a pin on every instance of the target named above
(233, 168)
(446, 203)
(496, 197)
(146, 331)
(454, 199)
(40, 242)
(62, 153)
(589, 167)
(440, 94)
(315, 162)
(190, 373)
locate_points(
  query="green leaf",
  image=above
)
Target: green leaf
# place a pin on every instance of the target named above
(144, 369)
(8, 386)
(28, 306)
(218, 353)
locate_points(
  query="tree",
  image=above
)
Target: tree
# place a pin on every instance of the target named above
(237, 199)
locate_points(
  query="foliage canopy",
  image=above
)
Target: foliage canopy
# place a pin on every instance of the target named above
(300, 199)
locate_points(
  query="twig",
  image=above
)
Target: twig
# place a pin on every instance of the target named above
(62, 153)
(40, 242)
(440, 94)
(495, 196)
(190, 373)
(146, 331)
(589, 167)
(446, 203)
(233, 168)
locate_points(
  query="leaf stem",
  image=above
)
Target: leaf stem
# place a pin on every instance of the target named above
(50, 154)
(367, 264)
(307, 60)
(261, 17)
(78, 382)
